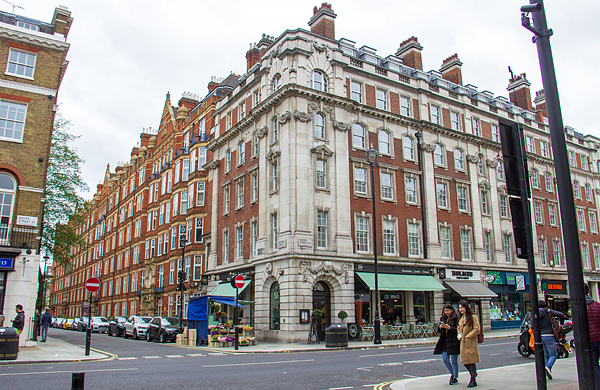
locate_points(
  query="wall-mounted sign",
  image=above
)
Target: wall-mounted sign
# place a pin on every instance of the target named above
(463, 274)
(24, 220)
(282, 244)
(305, 242)
(520, 282)
(7, 264)
(551, 287)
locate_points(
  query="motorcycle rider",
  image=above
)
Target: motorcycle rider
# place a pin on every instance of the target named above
(548, 339)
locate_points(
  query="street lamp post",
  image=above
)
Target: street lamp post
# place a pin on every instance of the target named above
(372, 157)
(43, 294)
(181, 277)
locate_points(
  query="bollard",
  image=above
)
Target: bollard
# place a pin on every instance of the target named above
(78, 380)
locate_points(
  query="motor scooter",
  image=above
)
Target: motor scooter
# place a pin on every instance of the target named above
(525, 346)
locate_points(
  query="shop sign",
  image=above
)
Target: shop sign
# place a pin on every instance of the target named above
(520, 282)
(7, 264)
(554, 286)
(498, 277)
(24, 220)
(594, 278)
(463, 274)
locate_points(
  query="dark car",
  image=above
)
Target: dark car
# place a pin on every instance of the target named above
(117, 326)
(164, 329)
(83, 324)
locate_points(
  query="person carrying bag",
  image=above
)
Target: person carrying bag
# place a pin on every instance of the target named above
(448, 345)
(468, 329)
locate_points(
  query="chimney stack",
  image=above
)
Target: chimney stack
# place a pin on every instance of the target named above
(540, 106)
(410, 52)
(322, 21)
(253, 56)
(518, 92)
(451, 69)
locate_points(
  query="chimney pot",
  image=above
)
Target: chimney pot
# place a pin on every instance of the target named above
(451, 69)
(410, 52)
(323, 21)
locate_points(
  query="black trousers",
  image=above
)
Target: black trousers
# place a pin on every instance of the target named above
(472, 368)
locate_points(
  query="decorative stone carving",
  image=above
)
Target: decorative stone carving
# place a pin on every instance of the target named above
(262, 132)
(325, 268)
(269, 268)
(428, 147)
(341, 126)
(472, 158)
(285, 117)
(492, 163)
(303, 117)
(322, 150)
(321, 48)
(312, 107)
(330, 112)
(597, 191)
(273, 154)
(213, 164)
(485, 185)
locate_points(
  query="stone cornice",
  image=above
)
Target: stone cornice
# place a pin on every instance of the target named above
(28, 88)
(33, 38)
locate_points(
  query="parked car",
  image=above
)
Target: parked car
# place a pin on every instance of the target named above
(136, 326)
(75, 324)
(67, 324)
(58, 323)
(99, 324)
(83, 323)
(117, 326)
(164, 329)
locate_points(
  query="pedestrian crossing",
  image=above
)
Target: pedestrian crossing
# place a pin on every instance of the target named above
(192, 355)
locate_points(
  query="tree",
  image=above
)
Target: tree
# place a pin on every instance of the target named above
(64, 207)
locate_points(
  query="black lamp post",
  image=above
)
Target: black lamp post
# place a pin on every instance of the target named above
(372, 157)
(181, 277)
(43, 294)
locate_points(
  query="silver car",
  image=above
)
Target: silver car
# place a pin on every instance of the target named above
(136, 326)
(99, 324)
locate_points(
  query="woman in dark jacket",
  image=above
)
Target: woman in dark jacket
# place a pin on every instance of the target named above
(448, 345)
(548, 339)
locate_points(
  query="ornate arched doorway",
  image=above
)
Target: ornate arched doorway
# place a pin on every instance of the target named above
(322, 302)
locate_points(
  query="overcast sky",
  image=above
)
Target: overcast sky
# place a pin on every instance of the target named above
(126, 55)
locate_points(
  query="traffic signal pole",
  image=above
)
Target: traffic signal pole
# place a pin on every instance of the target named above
(585, 365)
(88, 332)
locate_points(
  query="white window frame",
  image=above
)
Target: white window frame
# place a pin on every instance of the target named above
(322, 241)
(318, 80)
(381, 97)
(359, 136)
(17, 66)
(356, 91)
(15, 114)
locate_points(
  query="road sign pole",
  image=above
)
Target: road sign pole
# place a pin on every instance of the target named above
(88, 333)
(236, 333)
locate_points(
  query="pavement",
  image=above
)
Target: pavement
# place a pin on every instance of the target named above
(513, 377)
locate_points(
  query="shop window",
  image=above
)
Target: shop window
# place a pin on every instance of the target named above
(274, 307)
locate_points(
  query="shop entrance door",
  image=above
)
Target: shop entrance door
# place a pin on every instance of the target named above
(321, 301)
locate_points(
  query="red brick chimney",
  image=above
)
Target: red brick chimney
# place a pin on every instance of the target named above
(518, 92)
(322, 21)
(144, 139)
(410, 52)
(253, 56)
(450, 69)
(540, 106)
(189, 100)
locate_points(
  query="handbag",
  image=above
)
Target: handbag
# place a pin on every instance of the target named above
(480, 335)
(557, 328)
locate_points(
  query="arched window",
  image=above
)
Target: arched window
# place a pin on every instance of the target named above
(500, 170)
(358, 136)
(274, 307)
(459, 161)
(438, 155)
(480, 165)
(534, 178)
(7, 197)
(549, 182)
(276, 82)
(385, 144)
(408, 148)
(275, 132)
(319, 81)
(319, 126)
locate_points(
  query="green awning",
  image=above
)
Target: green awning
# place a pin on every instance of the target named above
(398, 282)
(225, 289)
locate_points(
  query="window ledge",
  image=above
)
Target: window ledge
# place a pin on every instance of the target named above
(326, 190)
(19, 76)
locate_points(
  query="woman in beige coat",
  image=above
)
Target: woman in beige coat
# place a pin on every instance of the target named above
(468, 329)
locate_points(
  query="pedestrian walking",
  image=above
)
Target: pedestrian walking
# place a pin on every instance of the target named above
(46, 320)
(468, 329)
(593, 310)
(548, 340)
(36, 325)
(448, 344)
(19, 322)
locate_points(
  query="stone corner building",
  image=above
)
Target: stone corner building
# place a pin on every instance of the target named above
(267, 176)
(33, 58)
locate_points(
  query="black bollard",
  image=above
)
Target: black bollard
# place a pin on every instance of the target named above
(78, 380)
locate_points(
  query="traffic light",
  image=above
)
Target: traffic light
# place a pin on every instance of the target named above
(181, 276)
(232, 280)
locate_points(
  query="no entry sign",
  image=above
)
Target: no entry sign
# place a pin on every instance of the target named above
(92, 285)
(239, 281)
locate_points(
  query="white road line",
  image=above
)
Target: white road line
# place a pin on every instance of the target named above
(151, 357)
(70, 371)
(392, 353)
(174, 356)
(495, 354)
(364, 368)
(127, 358)
(216, 353)
(195, 354)
(371, 385)
(340, 388)
(410, 376)
(514, 351)
(259, 363)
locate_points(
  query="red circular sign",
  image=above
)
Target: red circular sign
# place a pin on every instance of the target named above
(92, 284)
(239, 281)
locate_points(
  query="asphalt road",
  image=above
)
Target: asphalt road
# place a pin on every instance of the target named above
(142, 365)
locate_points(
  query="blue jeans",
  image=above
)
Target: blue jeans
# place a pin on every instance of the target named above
(549, 349)
(596, 357)
(44, 332)
(451, 362)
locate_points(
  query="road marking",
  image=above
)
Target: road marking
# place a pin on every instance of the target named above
(151, 357)
(195, 354)
(364, 369)
(174, 356)
(393, 353)
(217, 353)
(340, 388)
(259, 363)
(420, 361)
(64, 372)
(514, 351)
(390, 364)
(495, 354)
(411, 376)
(127, 358)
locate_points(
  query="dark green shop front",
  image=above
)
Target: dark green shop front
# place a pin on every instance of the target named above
(508, 309)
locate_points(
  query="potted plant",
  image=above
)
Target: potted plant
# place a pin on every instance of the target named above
(342, 315)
